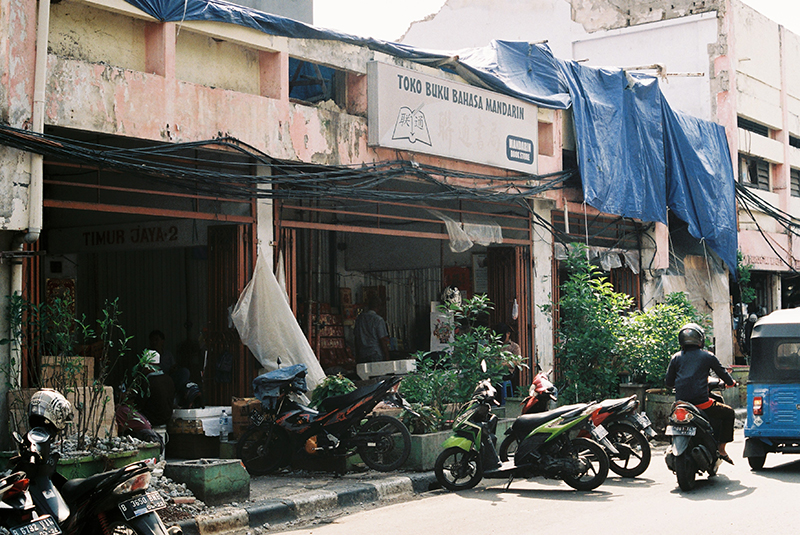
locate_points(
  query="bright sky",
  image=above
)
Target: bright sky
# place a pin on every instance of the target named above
(390, 20)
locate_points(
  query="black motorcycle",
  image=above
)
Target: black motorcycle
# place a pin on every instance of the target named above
(693, 448)
(18, 514)
(285, 430)
(111, 502)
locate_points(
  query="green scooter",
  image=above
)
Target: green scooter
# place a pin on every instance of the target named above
(551, 447)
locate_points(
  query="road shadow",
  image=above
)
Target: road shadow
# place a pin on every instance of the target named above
(548, 489)
(719, 488)
(788, 472)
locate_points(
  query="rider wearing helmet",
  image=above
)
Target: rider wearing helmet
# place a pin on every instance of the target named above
(49, 407)
(688, 372)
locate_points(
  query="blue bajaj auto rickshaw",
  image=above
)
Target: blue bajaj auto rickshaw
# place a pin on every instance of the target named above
(773, 388)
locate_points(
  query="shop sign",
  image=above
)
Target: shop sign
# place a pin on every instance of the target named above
(147, 235)
(413, 111)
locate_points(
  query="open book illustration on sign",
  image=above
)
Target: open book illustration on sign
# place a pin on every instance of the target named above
(411, 125)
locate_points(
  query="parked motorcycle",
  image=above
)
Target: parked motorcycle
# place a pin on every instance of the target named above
(18, 513)
(111, 502)
(550, 446)
(628, 430)
(542, 394)
(286, 430)
(693, 448)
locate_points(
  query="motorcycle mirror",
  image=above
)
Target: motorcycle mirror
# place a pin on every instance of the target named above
(483, 365)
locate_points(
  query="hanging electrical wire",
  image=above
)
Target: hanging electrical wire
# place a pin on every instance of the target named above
(170, 164)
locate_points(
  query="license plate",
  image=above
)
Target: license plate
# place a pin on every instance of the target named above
(681, 430)
(42, 526)
(599, 433)
(144, 503)
(643, 420)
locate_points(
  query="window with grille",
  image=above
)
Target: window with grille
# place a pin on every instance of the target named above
(794, 179)
(754, 172)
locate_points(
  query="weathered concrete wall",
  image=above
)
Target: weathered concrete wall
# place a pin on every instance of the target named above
(596, 15)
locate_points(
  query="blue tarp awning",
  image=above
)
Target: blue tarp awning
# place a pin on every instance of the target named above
(636, 155)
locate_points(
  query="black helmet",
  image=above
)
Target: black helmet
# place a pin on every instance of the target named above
(692, 334)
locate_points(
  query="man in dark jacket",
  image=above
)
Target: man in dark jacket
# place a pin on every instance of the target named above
(688, 372)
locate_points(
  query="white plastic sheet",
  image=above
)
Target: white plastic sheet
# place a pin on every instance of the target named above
(266, 325)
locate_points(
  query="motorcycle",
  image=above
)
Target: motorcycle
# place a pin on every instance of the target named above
(110, 502)
(693, 448)
(550, 446)
(18, 513)
(542, 395)
(628, 430)
(286, 429)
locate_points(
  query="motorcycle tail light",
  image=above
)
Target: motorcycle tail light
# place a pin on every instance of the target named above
(682, 415)
(133, 484)
(758, 405)
(17, 488)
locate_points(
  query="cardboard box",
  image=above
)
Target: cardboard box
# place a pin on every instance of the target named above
(242, 408)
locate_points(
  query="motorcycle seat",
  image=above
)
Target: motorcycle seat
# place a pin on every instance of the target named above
(610, 405)
(343, 400)
(528, 422)
(78, 487)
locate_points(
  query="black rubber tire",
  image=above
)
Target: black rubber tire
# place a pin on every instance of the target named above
(634, 450)
(263, 449)
(756, 463)
(389, 443)
(593, 453)
(686, 470)
(508, 448)
(457, 469)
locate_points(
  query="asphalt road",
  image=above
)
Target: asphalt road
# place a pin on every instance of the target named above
(735, 501)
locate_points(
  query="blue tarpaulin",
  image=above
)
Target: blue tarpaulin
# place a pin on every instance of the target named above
(637, 156)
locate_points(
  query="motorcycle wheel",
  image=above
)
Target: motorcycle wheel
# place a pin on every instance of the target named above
(388, 444)
(595, 459)
(508, 448)
(634, 449)
(686, 470)
(457, 469)
(756, 463)
(263, 449)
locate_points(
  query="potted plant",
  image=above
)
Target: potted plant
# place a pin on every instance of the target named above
(50, 333)
(441, 382)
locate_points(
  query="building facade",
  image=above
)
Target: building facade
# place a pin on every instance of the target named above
(719, 60)
(165, 157)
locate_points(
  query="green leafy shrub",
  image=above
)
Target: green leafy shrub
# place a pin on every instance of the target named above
(590, 323)
(332, 385)
(649, 338)
(441, 380)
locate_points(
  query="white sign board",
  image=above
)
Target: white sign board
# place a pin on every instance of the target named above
(413, 111)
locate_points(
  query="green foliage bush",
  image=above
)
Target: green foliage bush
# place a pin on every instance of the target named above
(438, 381)
(649, 338)
(601, 340)
(590, 313)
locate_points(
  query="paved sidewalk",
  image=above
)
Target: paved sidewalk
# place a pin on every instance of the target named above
(299, 496)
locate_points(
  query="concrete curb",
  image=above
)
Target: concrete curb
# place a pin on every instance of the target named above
(307, 505)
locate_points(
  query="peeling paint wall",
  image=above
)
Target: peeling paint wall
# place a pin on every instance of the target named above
(215, 62)
(92, 35)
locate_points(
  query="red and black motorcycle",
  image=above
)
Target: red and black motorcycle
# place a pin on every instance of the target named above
(627, 430)
(285, 430)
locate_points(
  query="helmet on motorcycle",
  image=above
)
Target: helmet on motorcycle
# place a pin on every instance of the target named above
(49, 407)
(692, 334)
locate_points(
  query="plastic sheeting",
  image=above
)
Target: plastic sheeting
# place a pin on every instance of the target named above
(464, 235)
(267, 326)
(636, 155)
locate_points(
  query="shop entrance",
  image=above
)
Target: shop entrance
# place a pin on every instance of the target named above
(335, 256)
(175, 259)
